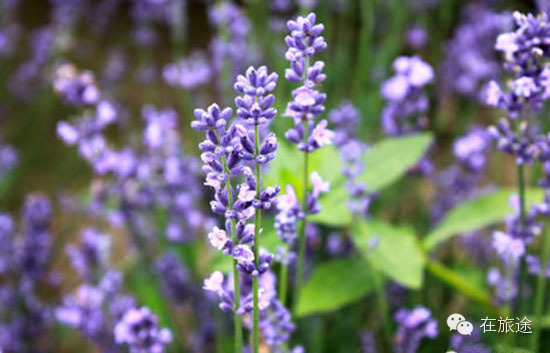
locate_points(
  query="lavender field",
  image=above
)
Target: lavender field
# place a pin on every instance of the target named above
(274, 176)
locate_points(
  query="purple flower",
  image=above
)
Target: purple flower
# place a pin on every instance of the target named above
(414, 325)
(255, 106)
(230, 42)
(77, 89)
(214, 283)
(519, 144)
(8, 159)
(525, 50)
(470, 59)
(188, 73)
(407, 102)
(174, 278)
(508, 248)
(303, 42)
(138, 328)
(459, 182)
(242, 254)
(417, 37)
(92, 255)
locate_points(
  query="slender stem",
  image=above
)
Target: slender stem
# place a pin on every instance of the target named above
(522, 264)
(539, 294)
(462, 285)
(382, 303)
(257, 225)
(302, 235)
(283, 283)
(178, 19)
(521, 187)
(238, 334)
(147, 261)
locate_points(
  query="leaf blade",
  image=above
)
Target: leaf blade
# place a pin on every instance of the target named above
(333, 285)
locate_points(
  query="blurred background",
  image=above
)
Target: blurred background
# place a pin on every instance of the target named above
(147, 59)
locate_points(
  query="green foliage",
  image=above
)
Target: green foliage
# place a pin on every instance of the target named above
(460, 283)
(478, 213)
(396, 254)
(287, 168)
(335, 284)
(385, 162)
(334, 209)
(389, 159)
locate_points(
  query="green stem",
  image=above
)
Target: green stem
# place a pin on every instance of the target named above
(539, 294)
(257, 224)
(283, 283)
(178, 28)
(382, 303)
(147, 260)
(462, 285)
(302, 235)
(521, 187)
(238, 333)
(361, 82)
(522, 265)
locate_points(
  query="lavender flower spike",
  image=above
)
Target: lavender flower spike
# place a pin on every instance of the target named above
(138, 328)
(303, 42)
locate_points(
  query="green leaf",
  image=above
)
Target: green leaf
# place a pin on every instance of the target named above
(389, 159)
(286, 168)
(460, 283)
(335, 284)
(220, 262)
(269, 238)
(397, 253)
(334, 209)
(327, 162)
(475, 214)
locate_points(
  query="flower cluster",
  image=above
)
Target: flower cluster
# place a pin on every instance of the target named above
(156, 173)
(91, 256)
(458, 182)
(223, 287)
(93, 307)
(26, 80)
(510, 247)
(174, 278)
(230, 42)
(77, 88)
(470, 59)
(304, 41)
(223, 158)
(345, 119)
(276, 327)
(290, 212)
(406, 100)
(228, 151)
(139, 329)
(414, 325)
(24, 262)
(521, 144)
(525, 50)
(188, 73)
